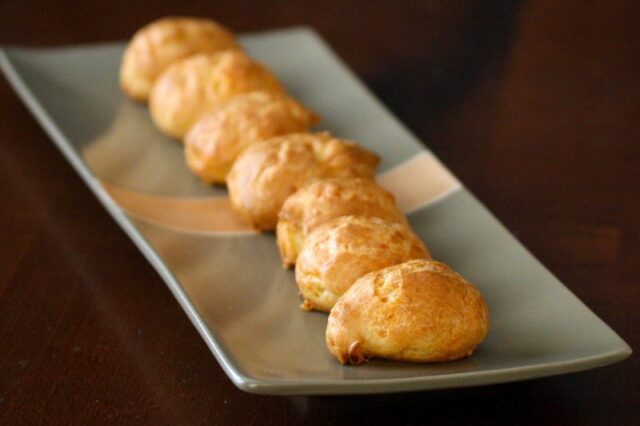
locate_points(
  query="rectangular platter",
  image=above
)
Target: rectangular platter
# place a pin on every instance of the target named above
(229, 280)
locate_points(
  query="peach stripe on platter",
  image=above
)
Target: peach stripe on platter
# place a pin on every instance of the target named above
(418, 181)
(415, 183)
(206, 215)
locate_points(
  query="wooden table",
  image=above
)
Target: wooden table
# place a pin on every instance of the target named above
(534, 105)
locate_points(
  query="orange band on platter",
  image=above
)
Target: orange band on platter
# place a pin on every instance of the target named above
(415, 183)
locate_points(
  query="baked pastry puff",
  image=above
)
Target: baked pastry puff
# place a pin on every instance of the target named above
(157, 45)
(214, 142)
(192, 87)
(323, 200)
(268, 172)
(342, 250)
(419, 311)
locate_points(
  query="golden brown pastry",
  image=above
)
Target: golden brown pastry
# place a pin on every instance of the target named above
(214, 142)
(326, 199)
(417, 311)
(268, 172)
(192, 87)
(342, 250)
(157, 45)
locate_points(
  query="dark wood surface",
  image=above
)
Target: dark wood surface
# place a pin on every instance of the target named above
(534, 105)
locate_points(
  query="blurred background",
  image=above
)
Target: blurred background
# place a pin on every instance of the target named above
(534, 105)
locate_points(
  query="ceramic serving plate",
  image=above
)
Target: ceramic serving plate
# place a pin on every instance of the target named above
(228, 279)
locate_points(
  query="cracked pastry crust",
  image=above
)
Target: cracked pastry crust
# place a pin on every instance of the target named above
(268, 172)
(418, 311)
(342, 250)
(323, 200)
(159, 44)
(190, 88)
(216, 140)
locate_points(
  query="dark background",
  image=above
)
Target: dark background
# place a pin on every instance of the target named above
(534, 105)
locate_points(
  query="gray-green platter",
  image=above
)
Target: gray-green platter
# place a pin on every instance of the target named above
(231, 285)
